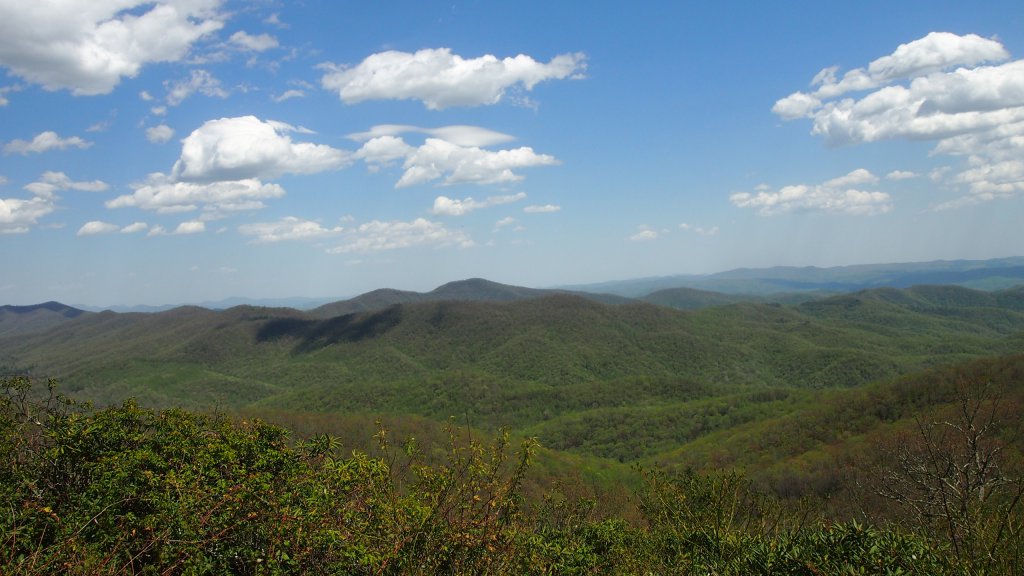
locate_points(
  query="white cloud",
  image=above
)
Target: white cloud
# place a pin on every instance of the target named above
(459, 135)
(961, 92)
(288, 228)
(190, 227)
(384, 151)
(253, 43)
(88, 46)
(52, 182)
(246, 147)
(441, 79)
(200, 81)
(275, 20)
(901, 175)
(377, 235)
(453, 207)
(101, 126)
(44, 142)
(159, 134)
(836, 196)
(452, 154)
(134, 227)
(699, 229)
(159, 110)
(644, 234)
(288, 95)
(546, 208)
(163, 195)
(184, 228)
(145, 96)
(18, 216)
(97, 227)
(855, 178)
(5, 90)
(452, 164)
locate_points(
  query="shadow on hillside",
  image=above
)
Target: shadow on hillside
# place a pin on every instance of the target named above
(316, 334)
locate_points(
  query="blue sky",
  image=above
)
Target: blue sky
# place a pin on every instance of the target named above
(189, 150)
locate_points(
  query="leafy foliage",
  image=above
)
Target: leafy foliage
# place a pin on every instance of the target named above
(126, 490)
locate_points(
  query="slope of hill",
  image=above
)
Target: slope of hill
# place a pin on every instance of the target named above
(15, 320)
(694, 299)
(471, 290)
(519, 363)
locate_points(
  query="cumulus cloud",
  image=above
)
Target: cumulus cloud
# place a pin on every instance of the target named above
(378, 235)
(199, 81)
(460, 135)
(441, 79)
(445, 206)
(163, 195)
(94, 227)
(841, 195)
(441, 160)
(252, 43)
(450, 154)
(541, 209)
(18, 216)
(134, 227)
(288, 228)
(159, 134)
(188, 227)
(88, 46)
(52, 182)
(44, 142)
(247, 147)
(961, 92)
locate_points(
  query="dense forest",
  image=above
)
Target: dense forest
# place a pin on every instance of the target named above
(516, 431)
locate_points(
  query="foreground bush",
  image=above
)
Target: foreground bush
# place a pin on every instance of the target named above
(125, 490)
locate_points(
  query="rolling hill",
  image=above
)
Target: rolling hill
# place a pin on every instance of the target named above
(471, 290)
(16, 320)
(622, 382)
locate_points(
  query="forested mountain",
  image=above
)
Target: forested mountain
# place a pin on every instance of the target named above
(806, 399)
(472, 290)
(16, 320)
(549, 364)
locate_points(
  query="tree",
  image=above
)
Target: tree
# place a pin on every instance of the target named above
(950, 476)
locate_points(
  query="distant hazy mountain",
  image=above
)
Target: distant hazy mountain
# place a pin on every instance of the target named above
(995, 274)
(15, 320)
(297, 303)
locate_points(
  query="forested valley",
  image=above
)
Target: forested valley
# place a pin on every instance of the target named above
(502, 430)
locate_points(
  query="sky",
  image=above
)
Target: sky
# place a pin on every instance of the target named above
(176, 151)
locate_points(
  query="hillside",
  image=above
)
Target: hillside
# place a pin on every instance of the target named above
(16, 320)
(809, 401)
(568, 369)
(471, 290)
